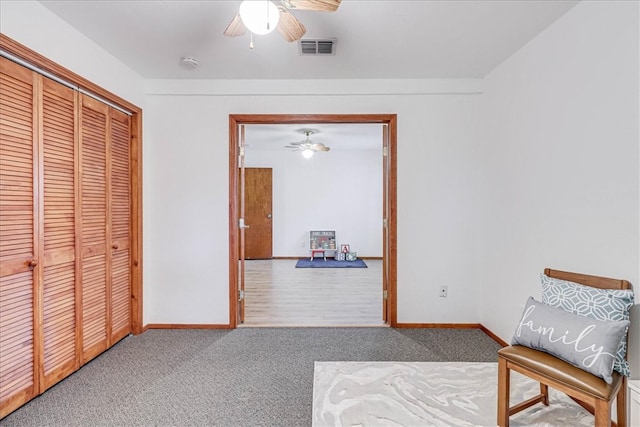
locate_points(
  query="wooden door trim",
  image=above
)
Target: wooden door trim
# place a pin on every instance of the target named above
(38, 234)
(14, 48)
(234, 244)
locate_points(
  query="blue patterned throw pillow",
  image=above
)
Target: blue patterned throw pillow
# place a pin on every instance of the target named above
(594, 303)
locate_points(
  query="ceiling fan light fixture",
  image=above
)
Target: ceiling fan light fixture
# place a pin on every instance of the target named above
(259, 16)
(189, 62)
(307, 153)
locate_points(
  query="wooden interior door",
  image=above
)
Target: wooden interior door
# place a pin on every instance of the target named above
(258, 213)
(19, 230)
(59, 323)
(93, 204)
(106, 226)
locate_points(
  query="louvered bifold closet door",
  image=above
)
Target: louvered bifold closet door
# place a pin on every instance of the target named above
(59, 284)
(120, 226)
(93, 200)
(18, 236)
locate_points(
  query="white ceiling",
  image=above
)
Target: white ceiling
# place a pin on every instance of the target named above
(375, 39)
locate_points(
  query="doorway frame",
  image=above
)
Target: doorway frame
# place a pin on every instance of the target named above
(390, 234)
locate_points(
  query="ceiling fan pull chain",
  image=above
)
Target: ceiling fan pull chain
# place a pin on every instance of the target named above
(268, 27)
(251, 42)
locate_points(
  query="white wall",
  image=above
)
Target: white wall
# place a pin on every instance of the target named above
(35, 26)
(561, 161)
(186, 196)
(337, 190)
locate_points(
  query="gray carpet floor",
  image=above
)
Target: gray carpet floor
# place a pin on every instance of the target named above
(242, 377)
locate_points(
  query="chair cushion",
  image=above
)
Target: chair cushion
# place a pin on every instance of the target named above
(595, 303)
(551, 367)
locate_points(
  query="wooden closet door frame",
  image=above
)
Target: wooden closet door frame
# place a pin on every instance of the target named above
(390, 167)
(24, 53)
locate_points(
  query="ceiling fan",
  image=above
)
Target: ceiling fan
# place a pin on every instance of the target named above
(263, 16)
(307, 147)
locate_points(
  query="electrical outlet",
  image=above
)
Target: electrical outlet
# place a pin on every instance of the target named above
(443, 291)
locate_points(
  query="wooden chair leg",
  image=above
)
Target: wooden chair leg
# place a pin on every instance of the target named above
(504, 383)
(621, 404)
(602, 413)
(544, 390)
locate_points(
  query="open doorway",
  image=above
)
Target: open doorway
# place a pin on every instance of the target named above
(237, 124)
(336, 187)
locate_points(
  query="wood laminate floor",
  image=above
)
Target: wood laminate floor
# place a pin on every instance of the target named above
(278, 294)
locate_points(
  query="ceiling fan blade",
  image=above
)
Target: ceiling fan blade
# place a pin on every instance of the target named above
(317, 5)
(323, 148)
(289, 26)
(235, 28)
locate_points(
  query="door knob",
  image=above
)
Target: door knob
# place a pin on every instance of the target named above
(114, 246)
(269, 215)
(32, 263)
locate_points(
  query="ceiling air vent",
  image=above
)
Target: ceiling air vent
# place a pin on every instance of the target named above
(317, 47)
